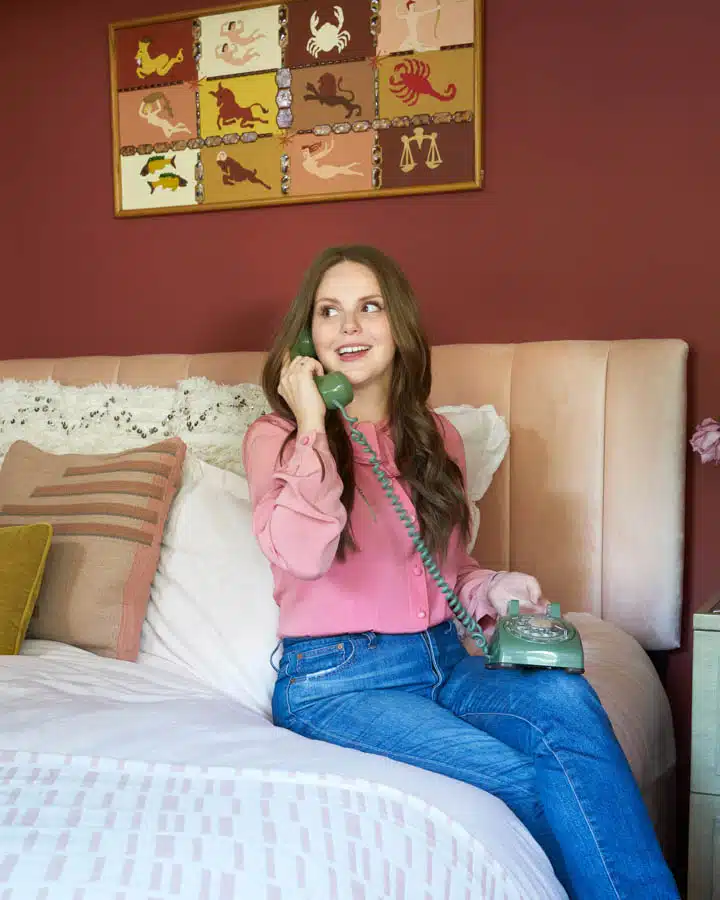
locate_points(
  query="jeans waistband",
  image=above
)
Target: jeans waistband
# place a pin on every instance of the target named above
(290, 642)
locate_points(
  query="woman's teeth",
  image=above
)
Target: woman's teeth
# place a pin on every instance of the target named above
(350, 351)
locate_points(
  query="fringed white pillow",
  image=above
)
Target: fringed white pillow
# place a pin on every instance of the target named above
(212, 419)
(96, 418)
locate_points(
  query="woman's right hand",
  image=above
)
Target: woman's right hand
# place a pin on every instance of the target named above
(298, 389)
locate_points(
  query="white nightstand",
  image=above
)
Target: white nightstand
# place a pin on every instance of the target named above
(704, 839)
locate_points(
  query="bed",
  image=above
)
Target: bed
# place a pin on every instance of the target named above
(151, 778)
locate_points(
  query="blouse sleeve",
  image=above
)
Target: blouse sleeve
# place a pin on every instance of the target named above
(298, 516)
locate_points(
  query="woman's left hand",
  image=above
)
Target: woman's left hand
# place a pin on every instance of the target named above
(507, 586)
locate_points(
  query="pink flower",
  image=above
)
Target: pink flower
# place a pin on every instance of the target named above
(706, 441)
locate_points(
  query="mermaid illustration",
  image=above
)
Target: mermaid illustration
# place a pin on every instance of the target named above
(313, 153)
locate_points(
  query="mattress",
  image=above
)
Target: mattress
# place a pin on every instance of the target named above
(133, 781)
(96, 754)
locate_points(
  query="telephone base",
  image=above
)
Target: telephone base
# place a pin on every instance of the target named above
(535, 642)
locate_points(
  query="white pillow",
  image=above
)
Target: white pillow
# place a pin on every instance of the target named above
(486, 439)
(211, 607)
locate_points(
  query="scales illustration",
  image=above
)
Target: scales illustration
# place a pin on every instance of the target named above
(419, 138)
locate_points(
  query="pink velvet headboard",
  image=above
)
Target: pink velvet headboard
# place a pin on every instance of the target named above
(590, 497)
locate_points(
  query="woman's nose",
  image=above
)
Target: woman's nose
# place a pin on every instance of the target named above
(350, 326)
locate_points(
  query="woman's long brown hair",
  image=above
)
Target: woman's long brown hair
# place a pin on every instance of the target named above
(434, 479)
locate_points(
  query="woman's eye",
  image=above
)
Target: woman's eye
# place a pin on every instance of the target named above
(327, 311)
(373, 307)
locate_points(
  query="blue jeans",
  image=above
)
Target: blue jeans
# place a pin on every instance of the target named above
(538, 740)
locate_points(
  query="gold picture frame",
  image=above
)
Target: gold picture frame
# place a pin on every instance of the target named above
(263, 103)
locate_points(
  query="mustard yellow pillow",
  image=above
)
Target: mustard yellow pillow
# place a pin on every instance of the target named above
(23, 552)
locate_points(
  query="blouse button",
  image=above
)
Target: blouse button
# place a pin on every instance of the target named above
(418, 569)
(421, 614)
(305, 440)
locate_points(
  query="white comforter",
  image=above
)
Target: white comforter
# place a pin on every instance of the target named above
(80, 735)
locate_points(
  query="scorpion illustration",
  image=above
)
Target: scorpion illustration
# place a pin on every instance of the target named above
(413, 79)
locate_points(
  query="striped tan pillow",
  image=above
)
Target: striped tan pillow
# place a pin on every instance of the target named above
(108, 513)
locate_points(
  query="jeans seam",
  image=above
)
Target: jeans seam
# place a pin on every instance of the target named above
(534, 727)
(437, 671)
(367, 748)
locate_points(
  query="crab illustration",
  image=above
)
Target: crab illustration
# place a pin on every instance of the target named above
(328, 36)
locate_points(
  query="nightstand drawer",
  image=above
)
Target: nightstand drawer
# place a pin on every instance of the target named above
(705, 772)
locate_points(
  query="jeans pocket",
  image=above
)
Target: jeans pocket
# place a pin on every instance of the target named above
(312, 674)
(319, 660)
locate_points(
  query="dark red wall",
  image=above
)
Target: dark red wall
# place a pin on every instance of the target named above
(598, 218)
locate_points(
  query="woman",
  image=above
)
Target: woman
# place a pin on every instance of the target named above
(371, 657)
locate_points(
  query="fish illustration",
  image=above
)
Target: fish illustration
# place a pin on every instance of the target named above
(155, 163)
(168, 181)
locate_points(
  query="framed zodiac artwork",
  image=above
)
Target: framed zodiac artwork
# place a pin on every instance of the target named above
(305, 101)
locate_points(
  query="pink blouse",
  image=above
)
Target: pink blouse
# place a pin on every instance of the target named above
(298, 518)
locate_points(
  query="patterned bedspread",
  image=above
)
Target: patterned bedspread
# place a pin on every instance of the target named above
(91, 828)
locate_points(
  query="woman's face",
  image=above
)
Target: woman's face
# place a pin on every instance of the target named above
(350, 325)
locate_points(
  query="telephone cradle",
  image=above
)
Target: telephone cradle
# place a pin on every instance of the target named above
(519, 641)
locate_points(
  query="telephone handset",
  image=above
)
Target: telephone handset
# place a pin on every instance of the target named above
(518, 641)
(335, 389)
